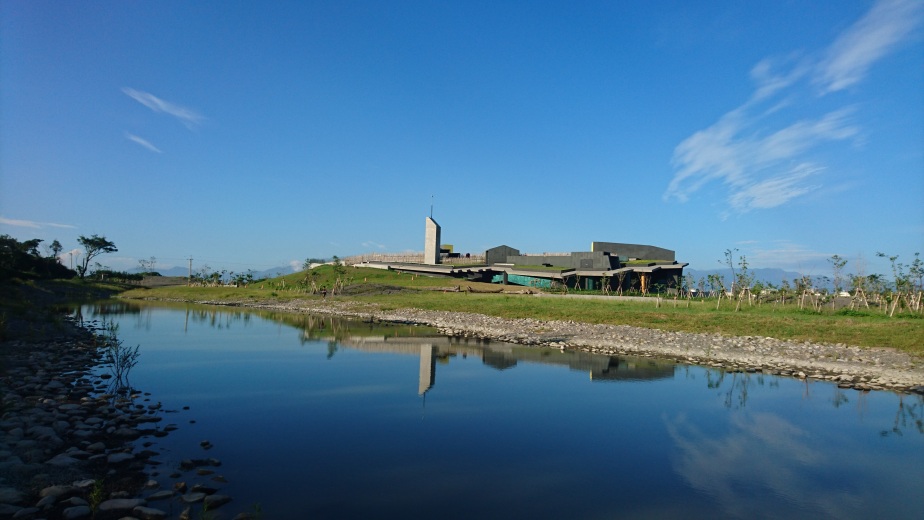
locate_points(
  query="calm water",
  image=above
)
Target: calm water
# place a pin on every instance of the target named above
(319, 418)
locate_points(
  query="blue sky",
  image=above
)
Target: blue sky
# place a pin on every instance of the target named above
(255, 134)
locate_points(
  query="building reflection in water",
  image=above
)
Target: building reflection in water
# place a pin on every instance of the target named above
(504, 356)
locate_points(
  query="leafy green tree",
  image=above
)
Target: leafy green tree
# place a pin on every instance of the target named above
(339, 268)
(56, 249)
(22, 260)
(93, 247)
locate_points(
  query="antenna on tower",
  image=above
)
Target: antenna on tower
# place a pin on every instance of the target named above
(431, 207)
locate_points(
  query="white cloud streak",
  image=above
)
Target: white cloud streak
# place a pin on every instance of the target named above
(753, 148)
(849, 58)
(143, 142)
(33, 224)
(187, 116)
(373, 245)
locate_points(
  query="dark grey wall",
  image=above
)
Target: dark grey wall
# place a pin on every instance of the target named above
(499, 254)
(579, 260)
(640, 251)
(558, 261)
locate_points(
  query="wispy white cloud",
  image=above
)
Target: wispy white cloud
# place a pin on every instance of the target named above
(849, 58)
(33, 224)
(143, 142)
(187, 116)
(774, 191)
(295, 265)
(753, 148)
(373, 245)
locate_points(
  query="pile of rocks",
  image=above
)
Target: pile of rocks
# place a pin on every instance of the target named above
(71, 449)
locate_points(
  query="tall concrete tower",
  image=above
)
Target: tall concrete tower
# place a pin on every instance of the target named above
(432, 242)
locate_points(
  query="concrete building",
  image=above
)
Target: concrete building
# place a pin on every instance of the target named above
(432, 242)
(609, 266)
(634, 251)
(602, 268)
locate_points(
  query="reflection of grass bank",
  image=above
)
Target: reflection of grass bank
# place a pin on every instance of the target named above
(869, 329)
(28, 308)
(227, 316)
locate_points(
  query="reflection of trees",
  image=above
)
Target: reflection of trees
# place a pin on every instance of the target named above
(734, 387)
(738, 385)
(908, 414)
(839, 397)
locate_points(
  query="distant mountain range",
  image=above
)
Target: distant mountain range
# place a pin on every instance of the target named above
(184, 271)
(771, 275)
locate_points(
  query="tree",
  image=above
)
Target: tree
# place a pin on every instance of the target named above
(730, 262)
(93, 247)
(837, 268)
(147, 266)
(56, 249)
(22, 260)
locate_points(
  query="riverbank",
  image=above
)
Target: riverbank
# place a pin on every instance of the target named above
(849, 366)
(73, 443)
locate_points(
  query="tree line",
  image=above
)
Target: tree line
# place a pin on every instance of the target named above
(22, 259)
(905, 290)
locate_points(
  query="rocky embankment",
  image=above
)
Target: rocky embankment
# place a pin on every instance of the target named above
(848, 366)
(72, 449)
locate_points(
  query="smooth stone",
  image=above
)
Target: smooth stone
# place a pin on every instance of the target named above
(127, 433)
(77, 513)
(75, 501)
(47, 502)
(57, 491)
(28, 512)
(62, 459)
(160, 495)
(149, 513)
(118, 458)
(192, 498)
(216, 501)
(120, 504)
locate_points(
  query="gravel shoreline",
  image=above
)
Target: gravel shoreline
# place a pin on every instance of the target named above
(72, 449)
(849, 366)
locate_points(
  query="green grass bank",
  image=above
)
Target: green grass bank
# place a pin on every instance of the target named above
(389, 290)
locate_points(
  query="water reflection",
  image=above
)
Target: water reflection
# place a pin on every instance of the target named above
(764, 454)
(407, 339)
(559, 443)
